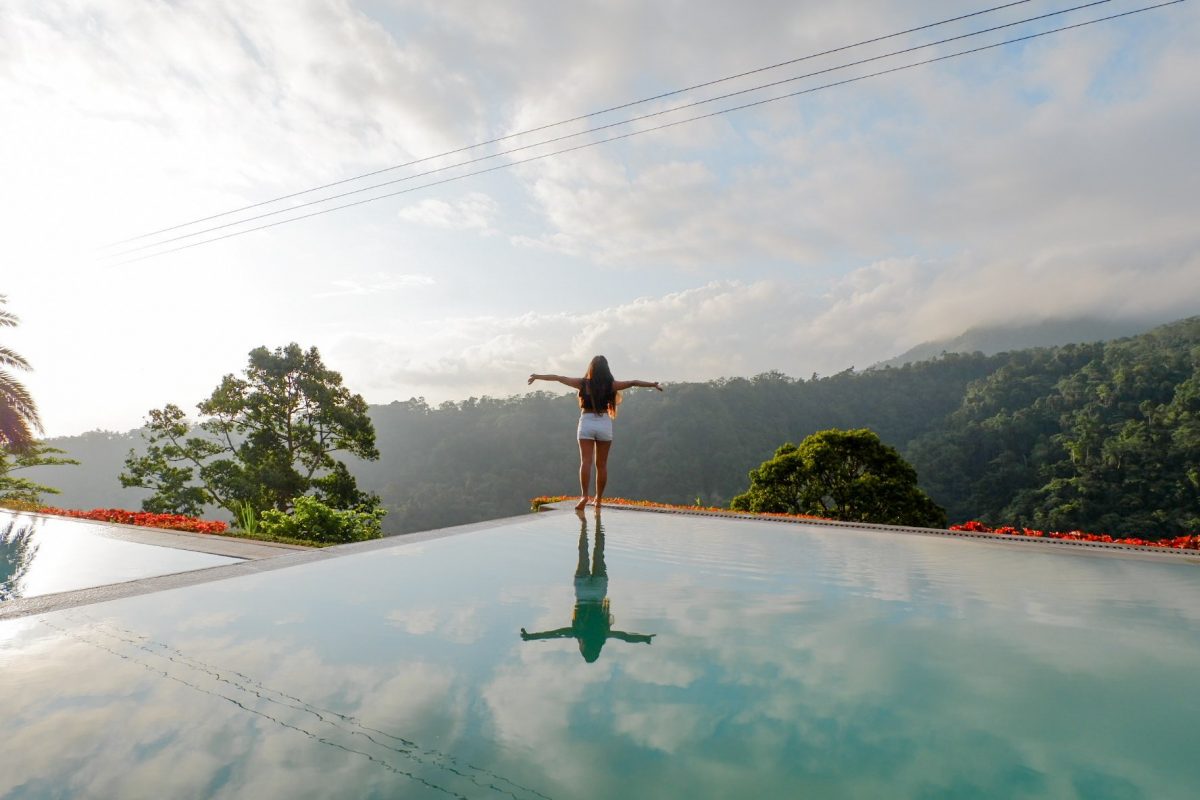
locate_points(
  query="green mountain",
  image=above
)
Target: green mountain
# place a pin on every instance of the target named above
(1102, 437)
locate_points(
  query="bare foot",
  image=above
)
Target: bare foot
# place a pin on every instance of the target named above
(597, 503)
(583, 501)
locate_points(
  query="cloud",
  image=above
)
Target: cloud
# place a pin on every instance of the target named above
(385, 283)
(727, 328)
(721, 328)
(476, 211)
(780, 655)
(1070, 143)
(806, 235)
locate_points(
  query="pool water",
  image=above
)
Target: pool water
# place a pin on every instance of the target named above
(641, 656)
(41, 556)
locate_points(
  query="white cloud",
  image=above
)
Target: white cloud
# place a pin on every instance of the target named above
(721, 328)
(476, 211)
(928, 160)
(731, 328)
(810, 234)
(384, 283)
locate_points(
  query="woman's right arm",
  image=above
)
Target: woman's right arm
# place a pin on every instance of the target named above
(622, 385)
(574, 383)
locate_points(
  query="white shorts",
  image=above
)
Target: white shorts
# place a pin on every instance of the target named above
(595, 426)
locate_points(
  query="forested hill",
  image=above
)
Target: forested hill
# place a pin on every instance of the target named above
(1100, 437)
(1103, 437)
(486, 458)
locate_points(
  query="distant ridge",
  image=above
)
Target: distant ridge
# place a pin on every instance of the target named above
(992, 339)
(987, 434)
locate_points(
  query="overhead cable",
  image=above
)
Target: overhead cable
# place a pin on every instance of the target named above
(596, 129)
(663, 126)
(579, 118)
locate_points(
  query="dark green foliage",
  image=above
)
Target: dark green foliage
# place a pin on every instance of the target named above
(486, 457)
(1103, 438)
(169, 464)
(843, 475)
(22, 490)
(266, 439)
(312, 520)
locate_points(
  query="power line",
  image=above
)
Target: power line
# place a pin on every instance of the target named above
(653, 129)
(579, 118)
(596, 129)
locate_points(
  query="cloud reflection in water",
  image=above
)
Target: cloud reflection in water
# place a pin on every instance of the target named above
(785, 660)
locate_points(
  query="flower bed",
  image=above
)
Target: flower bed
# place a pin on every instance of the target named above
(1178, 542)
(171, 522)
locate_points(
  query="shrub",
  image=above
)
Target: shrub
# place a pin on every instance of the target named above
(314, 521)
(842, 475)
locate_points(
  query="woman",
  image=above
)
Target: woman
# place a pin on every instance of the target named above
(599, 396)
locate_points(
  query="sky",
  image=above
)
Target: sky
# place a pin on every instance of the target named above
(1047, 179)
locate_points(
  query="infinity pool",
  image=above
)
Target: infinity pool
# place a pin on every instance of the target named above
(639, 656)
(41, 556)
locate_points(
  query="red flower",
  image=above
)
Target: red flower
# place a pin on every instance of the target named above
(176, 522)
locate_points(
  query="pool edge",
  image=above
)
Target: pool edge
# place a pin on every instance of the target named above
(1068, 545)
(46, 603)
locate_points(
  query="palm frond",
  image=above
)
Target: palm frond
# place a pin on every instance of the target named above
(9, 358)
(15, 398)
(7, 318)
(18, 413)
(15, 431)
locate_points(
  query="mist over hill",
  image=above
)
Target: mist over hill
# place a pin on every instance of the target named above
(1099, 435)
(992, 339)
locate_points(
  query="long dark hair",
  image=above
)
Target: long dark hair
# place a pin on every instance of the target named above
(597, 394)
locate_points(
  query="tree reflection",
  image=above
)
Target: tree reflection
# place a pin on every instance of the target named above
(17, 551)
(591, 622)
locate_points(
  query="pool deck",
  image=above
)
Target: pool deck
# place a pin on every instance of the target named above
(257, 557)
(211, 543)
(250, 552)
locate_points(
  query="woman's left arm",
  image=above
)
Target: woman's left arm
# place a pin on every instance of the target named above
(620, 385)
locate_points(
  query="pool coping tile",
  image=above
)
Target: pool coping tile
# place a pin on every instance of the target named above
(291, 557)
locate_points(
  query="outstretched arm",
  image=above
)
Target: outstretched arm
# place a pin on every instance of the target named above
(636, 638)
(560, 633)
(574, 383)
(619, 385)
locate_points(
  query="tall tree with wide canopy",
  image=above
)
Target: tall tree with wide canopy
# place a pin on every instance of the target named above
(18, 413)
(267, 438)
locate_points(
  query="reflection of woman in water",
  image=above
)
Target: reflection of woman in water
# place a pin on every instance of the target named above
(592, 621)
(599, 396)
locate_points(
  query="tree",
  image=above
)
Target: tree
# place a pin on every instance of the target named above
(24, 491)
(18, 413)
(844, 475)
(266, 439)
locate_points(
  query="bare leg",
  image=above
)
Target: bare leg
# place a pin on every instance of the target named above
(602, 449)
(586, 449)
